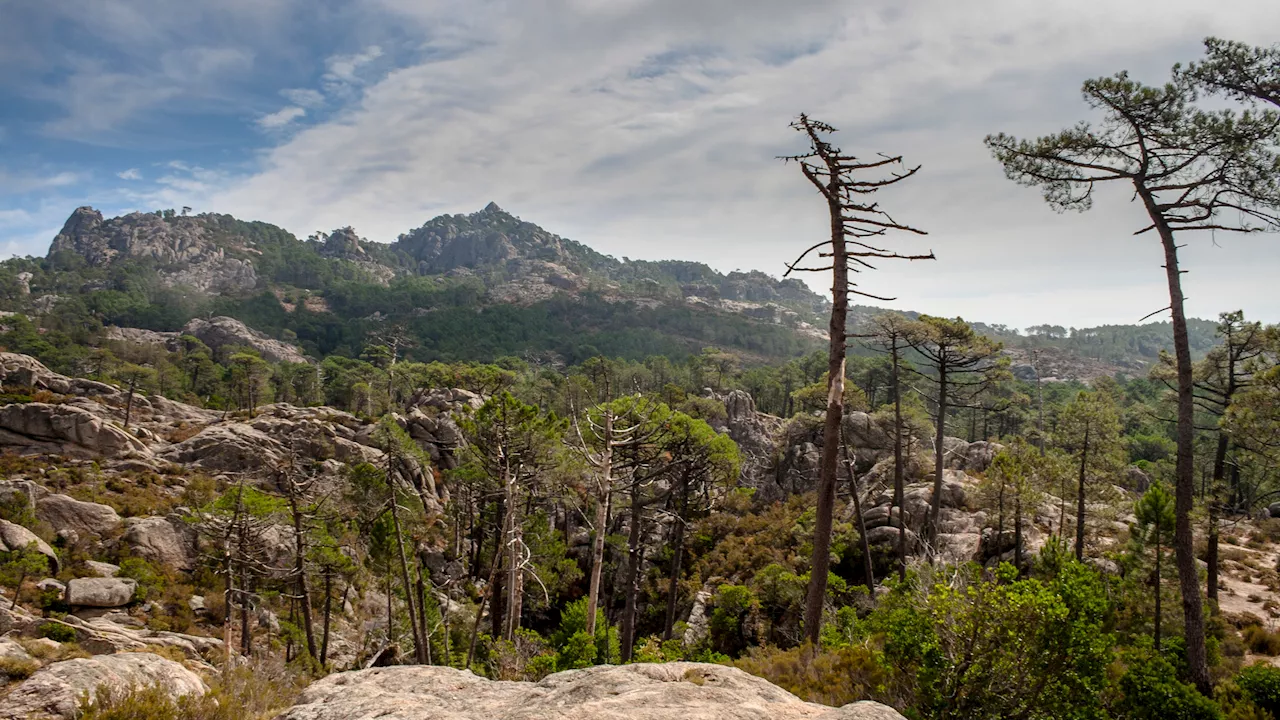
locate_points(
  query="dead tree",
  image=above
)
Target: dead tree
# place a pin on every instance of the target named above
(855, 222)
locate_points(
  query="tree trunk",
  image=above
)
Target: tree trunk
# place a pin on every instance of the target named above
(488, 592)
(513, 545)
(603, 497)
(1184, 495)
(867, 570)
(1157, 628)
(677, 557)
(328, 612)
(899, 473)
(935, 507)
(634, 558)
(1017, 531)
(408, 585)
(128, 405)
(1084, 463)
(597, 561)
(820, 562)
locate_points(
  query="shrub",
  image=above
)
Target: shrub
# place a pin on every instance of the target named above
(834, 677)
(17, 668)
(151, 581)
(1261, 640)
(253, 692)
(1150, 690)
(58, 632)
(1261, 683)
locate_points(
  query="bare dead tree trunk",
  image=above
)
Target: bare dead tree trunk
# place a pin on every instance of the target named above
(602, 517)
(899, 472)
(635, 555)
(864, 546)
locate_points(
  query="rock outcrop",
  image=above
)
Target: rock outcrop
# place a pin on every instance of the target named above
(671, 691)
(185, 248)
(85, 519)
(64, 429)
(13, 537)
(55, 691)
(167, 541)
(219, 332)
(100, 592)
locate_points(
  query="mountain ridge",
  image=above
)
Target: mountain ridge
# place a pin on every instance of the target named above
(480, 272)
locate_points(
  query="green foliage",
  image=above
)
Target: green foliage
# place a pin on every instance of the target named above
(151, 580)
(1261, 682)
(1150, 690)
(57, 632)
(732, 606)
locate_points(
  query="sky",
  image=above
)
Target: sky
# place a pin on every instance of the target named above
(644, 128)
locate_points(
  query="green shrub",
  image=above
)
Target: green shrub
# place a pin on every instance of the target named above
(58, 632)
(1261, 682)
(1150, 690)
(151, 581)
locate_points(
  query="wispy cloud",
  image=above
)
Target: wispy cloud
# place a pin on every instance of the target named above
(130, 174)
(344, 71)
(281, 118)
(303, 97)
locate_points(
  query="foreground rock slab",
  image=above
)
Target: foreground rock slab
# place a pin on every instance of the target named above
(669, 691)
(54, 692)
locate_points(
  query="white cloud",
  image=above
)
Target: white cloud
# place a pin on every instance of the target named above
(304, 97)
(281, 118)
(344, 70)
(649, 128)
(130, 174)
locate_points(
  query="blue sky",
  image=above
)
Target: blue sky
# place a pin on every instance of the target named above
(645, 128)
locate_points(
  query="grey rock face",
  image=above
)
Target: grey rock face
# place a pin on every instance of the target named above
(100, 592)
(13, 536)
(65, 430)
(184, 247)
(161, 540)
(219, 332)
(54, 692)
(670, 691)
(86, 519)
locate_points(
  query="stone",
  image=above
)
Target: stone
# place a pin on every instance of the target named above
(888, 535)
(100, 592)
(54, 692)
(63, 429)
(51, 584)
(669, 691)
(196, 603)
(13, 537)
(219, 332)
(86, 519)
(102, 569)
(160, 540)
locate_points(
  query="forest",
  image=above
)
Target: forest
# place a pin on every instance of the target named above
(888, 513)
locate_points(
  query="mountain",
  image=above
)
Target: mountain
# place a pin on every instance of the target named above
(467, 287)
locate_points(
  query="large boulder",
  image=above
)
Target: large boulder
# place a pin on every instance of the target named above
(100, 592)
(86, 519)
(55, 691)
(161, 540)
(14, 536)
(671, 691)
(220, 332)
(63, 429)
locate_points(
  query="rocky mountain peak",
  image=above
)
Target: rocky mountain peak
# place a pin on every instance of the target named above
(344, 243)
(182, 246)
(492, 208)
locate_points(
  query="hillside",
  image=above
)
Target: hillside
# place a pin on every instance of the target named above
(465, 287)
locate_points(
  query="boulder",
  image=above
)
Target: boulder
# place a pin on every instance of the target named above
(13, 536)
(65, 430)
(229, 447)
(102, 569)
(54, 692)
(220, 332)
(670, 691)
(161, 540)
(86, 519)
(100, 592)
